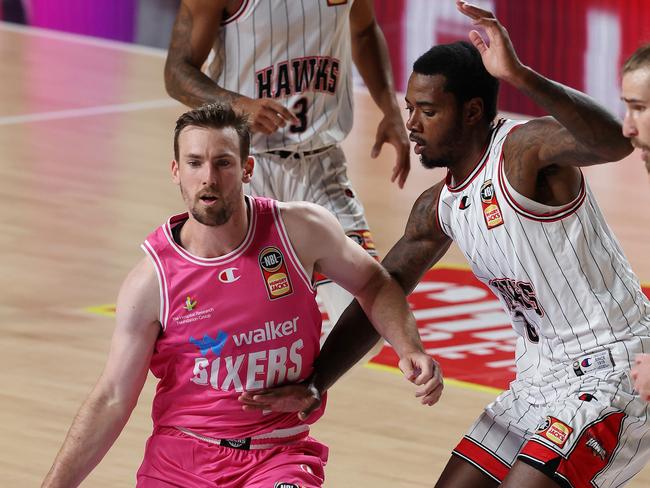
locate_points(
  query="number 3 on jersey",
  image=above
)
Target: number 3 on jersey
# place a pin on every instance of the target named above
(300, 109)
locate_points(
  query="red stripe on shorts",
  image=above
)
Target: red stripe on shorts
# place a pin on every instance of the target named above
(589, 456)
(482, 458)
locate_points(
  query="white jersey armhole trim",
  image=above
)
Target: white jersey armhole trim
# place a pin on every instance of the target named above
(284, 237)
(439, 221)
(240, 11)
(162, 283)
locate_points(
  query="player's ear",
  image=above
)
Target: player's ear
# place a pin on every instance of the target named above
(174, 169)
(247, 169)
(473, 111)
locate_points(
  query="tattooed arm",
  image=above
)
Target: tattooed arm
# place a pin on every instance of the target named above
(421, 246)
(195, 30)
(195, 33)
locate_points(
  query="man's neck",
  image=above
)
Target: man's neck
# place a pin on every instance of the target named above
(207, 241)
(475, 146)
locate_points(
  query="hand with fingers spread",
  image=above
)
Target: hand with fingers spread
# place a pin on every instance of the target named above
(303, 398)
(641, 375)
(391, 130)
(264, 115)
(499, 56)
(422, 370)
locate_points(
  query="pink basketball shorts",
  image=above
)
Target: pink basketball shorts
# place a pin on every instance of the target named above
(174, 459)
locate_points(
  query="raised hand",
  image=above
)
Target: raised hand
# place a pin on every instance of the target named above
(302, 398)
(264, 115)
(422, 370)
(499, 57)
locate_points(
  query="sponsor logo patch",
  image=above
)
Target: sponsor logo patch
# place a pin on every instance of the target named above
(491, 209)
(209, 344)
(275, 274)
(282, 484)
(554, 430)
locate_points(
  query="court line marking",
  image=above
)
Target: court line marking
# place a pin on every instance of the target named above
(83, 39)
(89, 111)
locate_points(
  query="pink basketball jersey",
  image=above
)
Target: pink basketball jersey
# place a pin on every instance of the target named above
(240, 322)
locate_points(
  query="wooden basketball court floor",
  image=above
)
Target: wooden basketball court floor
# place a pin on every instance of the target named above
(86, 141)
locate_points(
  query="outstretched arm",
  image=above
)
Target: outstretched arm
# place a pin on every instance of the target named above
(195, 32)
(107, 408)
(579, 131)
(422, 245)
(370, 56)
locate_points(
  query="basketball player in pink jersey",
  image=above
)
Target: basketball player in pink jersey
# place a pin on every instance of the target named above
(223, 304)
(636, 126)
(516, 203)
(289, 65)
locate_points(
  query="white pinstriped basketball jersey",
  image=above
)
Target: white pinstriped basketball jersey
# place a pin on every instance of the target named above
(295, 52)
(559, 273)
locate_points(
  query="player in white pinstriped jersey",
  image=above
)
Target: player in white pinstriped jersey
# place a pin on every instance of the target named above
(516, 203)
(288, 65)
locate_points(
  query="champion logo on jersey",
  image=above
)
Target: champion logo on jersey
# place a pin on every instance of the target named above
(229, 275)
(491, 209)
(275, 273)
(464, 202)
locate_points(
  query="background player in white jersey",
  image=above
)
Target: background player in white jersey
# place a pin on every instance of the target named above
(517, 205)
(225, 228)
(288, 65)
(636, 126)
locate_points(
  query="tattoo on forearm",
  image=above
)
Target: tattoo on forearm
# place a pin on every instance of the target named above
(185, 81)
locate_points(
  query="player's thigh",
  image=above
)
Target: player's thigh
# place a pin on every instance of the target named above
(523, 475)
(459, 472)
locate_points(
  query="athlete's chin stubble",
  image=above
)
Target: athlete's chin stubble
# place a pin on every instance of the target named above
(433, 163)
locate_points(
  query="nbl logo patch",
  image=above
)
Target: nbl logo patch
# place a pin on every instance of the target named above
(491, 209)
(275, 274)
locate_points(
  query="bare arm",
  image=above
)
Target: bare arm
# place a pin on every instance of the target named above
(370, 55)
(579, 131)
(194, 34)
(422, 245)
(107, 408)
(322, 245)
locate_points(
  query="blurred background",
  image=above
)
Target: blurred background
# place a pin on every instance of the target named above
(591, 33)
